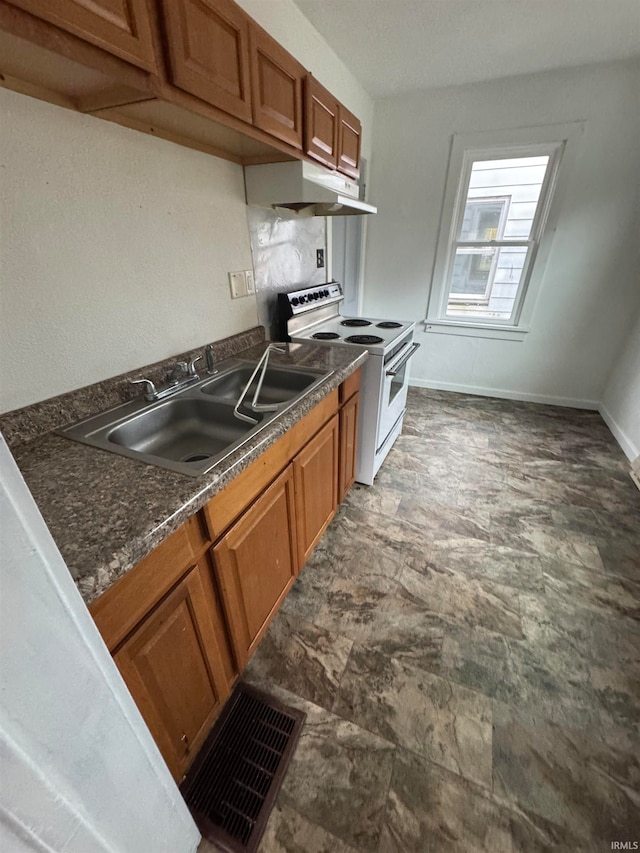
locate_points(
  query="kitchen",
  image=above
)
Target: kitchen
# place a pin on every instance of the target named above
(93, 290)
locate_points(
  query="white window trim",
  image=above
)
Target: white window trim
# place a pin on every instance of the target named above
(562, 139)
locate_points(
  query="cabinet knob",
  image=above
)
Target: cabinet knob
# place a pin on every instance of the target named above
(184, 739)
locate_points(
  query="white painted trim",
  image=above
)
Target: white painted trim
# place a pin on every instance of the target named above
(503, 394)
(628, 447)
(463, 147)
(474, 330)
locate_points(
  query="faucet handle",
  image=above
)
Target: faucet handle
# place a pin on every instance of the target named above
(150, 391)
(191, 369)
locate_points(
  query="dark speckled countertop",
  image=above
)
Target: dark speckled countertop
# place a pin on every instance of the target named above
(106, 512)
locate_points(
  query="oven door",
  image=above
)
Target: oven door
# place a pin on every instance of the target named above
(395, 382)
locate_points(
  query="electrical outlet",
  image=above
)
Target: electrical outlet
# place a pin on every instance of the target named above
(319, 258)
(251, 282)
(238, 284)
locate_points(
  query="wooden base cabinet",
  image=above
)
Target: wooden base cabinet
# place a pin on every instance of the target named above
(316, 482)
(348, 446)
(172, 665)
(256, 564)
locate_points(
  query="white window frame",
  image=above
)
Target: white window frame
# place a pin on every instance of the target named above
(559, 143)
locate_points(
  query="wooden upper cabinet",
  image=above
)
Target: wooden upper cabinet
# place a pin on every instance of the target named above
(349, 139)
(276, 88)
(320, 123)
(256, 564)
(208, 43)
(316, 479)
(172, 665)
(122, 27)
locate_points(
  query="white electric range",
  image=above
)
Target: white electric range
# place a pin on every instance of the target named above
(313, 315)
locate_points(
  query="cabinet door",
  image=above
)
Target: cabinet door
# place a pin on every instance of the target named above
(256, 565)
(122, 27)
(276, 88)
(172, 666)
(208, 44)
(316, 478)
(349, 136)
(348, 446)
(320, 123)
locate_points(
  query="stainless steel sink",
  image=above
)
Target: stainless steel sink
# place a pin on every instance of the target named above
(196, 428)
(183, 429)
(278, 386)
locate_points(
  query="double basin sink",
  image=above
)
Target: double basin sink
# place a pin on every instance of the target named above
(196, 428)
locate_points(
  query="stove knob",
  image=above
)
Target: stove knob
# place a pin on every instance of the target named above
(325, 292)
(313, 296)
(303, 299)
(295, 300)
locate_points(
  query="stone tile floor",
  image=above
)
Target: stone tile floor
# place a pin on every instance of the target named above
(465, 641)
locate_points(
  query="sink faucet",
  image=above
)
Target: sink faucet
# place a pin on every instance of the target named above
(180, 375)
(211, 367)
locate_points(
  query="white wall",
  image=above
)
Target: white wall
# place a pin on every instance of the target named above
(621, 402)
(591, 290)
(80, 771)
(286, 23)
(115, 249)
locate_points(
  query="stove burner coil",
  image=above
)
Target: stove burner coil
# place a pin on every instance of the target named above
(388, 324)
(366, 340)
(355, 321)
(325, 336)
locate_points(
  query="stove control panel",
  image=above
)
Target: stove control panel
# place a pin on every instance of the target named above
(299, 301)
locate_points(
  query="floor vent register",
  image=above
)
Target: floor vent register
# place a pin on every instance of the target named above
(233, 783)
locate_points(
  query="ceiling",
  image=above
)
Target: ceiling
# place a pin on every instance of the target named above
(395, 46)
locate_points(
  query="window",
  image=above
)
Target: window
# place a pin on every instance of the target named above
(497, 204)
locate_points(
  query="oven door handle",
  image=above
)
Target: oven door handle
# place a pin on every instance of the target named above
(405, 358)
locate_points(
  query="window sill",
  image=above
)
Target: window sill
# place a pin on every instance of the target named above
(475, 330)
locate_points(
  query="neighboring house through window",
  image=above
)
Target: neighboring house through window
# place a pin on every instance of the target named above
(498, 202)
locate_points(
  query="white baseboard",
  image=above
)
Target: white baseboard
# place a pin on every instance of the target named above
(570, 402)
(628, 447)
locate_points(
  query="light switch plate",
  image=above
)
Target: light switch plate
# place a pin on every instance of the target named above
(238, 284)
(251, 282)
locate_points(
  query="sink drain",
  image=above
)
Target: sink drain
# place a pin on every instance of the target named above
(196, 457)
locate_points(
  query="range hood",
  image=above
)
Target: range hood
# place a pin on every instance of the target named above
(303, 188)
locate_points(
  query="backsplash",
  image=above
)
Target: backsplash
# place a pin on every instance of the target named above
(22, 425)
(284, 257)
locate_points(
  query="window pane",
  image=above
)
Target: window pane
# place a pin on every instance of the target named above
(485, 282)
(472, 272)
(518, 182)
(482, 219)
